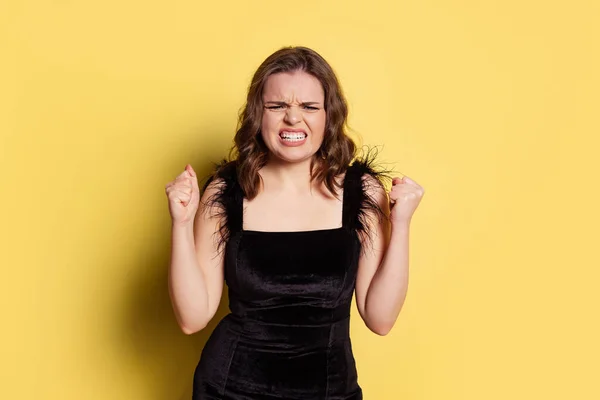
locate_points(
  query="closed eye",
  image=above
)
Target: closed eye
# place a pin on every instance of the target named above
(311, 108)
(275, 105)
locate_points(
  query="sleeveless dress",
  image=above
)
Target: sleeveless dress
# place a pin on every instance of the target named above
(290, 293)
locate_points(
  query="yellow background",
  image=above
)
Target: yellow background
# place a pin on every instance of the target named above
(492, 106)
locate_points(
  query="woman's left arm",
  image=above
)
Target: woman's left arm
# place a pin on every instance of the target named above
(382, 279)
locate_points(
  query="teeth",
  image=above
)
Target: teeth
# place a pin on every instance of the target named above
(295, 136)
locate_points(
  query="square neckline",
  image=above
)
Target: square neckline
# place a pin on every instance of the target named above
(304, 231)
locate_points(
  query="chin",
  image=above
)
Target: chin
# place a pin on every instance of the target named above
(295, 156)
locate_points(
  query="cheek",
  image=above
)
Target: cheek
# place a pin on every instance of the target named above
(269, 120)
(317, 123)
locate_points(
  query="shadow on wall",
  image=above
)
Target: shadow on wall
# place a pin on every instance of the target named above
(164, 356)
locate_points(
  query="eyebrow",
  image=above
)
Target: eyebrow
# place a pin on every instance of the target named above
(306, 103)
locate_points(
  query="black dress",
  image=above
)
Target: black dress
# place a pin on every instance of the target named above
(287, 336)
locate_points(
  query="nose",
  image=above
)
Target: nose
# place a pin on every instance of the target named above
(293, 115)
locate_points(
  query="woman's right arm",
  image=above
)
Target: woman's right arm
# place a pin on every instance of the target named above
(196, 266)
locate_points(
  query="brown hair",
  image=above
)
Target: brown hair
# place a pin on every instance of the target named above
(249, 150)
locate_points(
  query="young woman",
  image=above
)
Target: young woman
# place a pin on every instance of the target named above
(295, 224)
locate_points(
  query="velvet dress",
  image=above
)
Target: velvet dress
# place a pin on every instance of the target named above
(290, 293)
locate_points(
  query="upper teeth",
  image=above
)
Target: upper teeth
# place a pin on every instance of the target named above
(293, 135)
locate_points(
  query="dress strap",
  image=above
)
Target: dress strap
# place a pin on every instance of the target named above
(227, 201)
(235, 199)
(358, 203)
(352, 187)
(235, 216)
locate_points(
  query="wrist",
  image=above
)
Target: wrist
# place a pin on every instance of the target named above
(182, 226)
(400, 226)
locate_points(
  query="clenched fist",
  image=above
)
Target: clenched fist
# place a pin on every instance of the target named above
(184, 196)
(405, 197)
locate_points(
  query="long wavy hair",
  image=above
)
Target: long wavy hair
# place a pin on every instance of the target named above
(249, 151)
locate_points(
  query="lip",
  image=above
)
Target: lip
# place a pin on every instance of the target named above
(292, 130)
(295, 143)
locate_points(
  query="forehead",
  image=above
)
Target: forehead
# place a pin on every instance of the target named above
(296, 85)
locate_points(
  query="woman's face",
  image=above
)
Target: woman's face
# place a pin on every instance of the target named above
(293, 121)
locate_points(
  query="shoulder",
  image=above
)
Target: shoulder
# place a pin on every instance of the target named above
(215, 194)
(371, 173)
(224, 173)
(219, 201)
(372, 185)
(368, 196)
(374, 188)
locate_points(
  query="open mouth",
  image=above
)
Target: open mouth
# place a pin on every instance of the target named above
(292, 136)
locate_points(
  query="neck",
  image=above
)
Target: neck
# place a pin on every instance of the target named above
(282, 174)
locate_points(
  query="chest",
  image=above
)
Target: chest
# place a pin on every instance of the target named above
(314, 264)
(278, 212)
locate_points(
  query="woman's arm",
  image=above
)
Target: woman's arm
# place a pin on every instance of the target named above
(196, 268)
(382, 280)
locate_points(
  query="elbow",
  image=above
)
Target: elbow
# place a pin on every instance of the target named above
(382, 331)
(381, 328)
(191, 321)
(190, 329)
(378, 325)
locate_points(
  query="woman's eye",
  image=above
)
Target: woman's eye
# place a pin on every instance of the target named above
(311, 108)
(274, 107)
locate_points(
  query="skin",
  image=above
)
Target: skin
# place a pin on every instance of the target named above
(292, 101)
(288, 201)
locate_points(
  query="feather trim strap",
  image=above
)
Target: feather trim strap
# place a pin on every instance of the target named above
(366, 177)
(223, 203)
